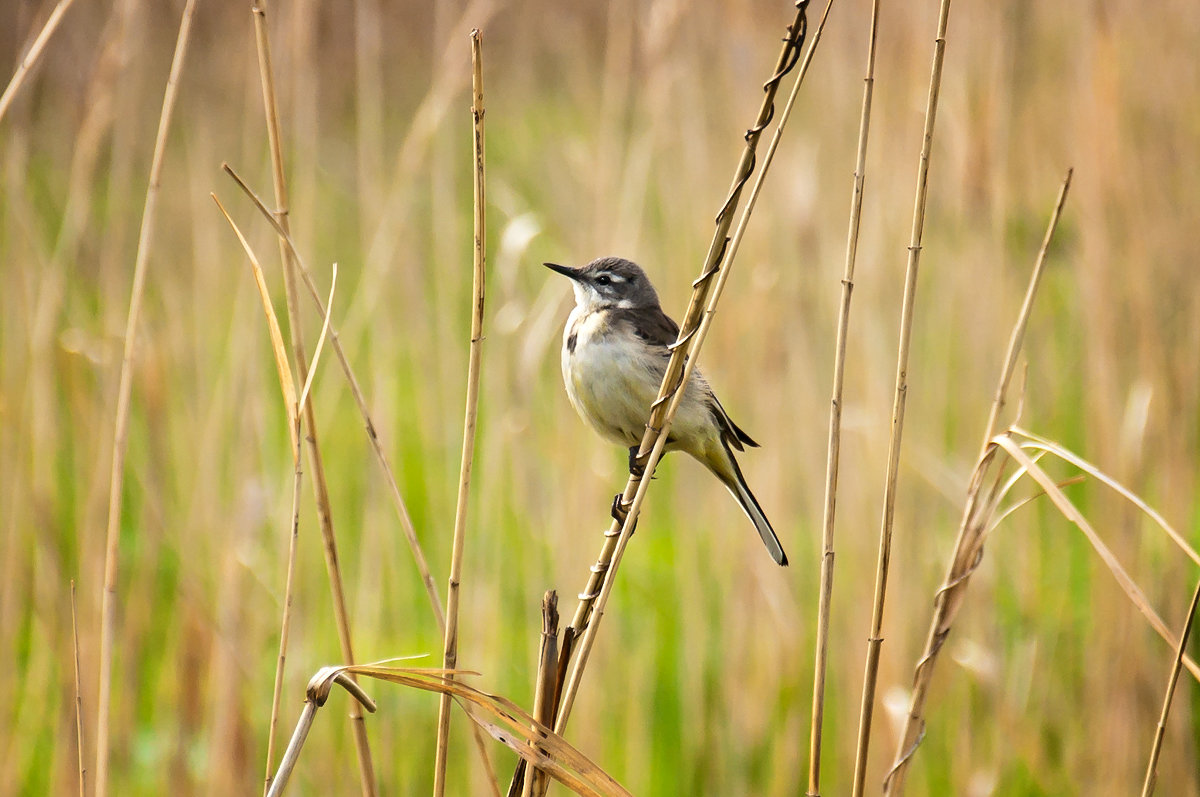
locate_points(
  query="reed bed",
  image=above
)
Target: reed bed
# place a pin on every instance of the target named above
(612, 129)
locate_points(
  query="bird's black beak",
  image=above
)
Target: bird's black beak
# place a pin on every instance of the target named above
(566, 271)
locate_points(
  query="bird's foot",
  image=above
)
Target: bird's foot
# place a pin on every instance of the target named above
(636, 469)
(620, 510)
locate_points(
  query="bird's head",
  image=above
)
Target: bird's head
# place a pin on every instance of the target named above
(609, 282)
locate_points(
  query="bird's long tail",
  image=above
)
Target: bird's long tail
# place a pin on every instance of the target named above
(729, 473)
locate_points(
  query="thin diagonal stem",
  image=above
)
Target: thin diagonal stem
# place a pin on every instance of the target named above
(972, 530)
(1176, 667)
(29, 61)
(683, 358)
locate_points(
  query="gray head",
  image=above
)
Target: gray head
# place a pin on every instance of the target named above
(610, 282)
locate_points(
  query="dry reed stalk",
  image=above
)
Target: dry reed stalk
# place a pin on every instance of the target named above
(406, 524)
(450, 648)
(32, 55)
(501, 718)
(317, 467)
(833, 455)
(78, 696)
(976, 519)
(1176, 665)
(121, 425)
(618, 533)
(875, 640)
(543, 697)
(292, 754)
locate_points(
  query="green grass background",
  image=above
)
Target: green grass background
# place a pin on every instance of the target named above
(611, 129)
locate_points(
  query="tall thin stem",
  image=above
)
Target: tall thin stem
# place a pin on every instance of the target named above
(316, 464)
(875, 640)
(450, 648)
(835, 422)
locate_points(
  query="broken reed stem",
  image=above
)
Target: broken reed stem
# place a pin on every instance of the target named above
(973, 528)
(315, 697)
(291, 754)
(508, 723)
(1176, 666)
(121, 425)
(78, 696)
(406, 524)
(833, 456)
(450, 648)
(618, 533)
(536, 780)
(875, 640)
(320, 488)
(29, 61)
(286, 623)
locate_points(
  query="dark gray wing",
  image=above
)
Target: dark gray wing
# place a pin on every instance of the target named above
(650, 324)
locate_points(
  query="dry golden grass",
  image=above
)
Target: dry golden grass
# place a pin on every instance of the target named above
(612, 129)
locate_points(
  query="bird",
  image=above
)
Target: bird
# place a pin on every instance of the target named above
(616, 345)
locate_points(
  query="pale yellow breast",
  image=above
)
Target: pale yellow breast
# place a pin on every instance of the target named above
(609, 376)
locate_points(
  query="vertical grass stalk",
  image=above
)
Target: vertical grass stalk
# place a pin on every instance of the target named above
(833, 457)
(875, 640)
(108, 597)
(316, 465)
(450, 649)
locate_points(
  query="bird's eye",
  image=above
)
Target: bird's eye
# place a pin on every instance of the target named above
(603, 279)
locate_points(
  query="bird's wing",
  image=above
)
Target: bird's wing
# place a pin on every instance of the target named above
(657, 329)
(650, 324)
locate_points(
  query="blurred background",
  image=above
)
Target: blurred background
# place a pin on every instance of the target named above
(612, 128)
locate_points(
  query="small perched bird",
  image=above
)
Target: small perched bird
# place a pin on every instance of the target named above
(615, 352)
